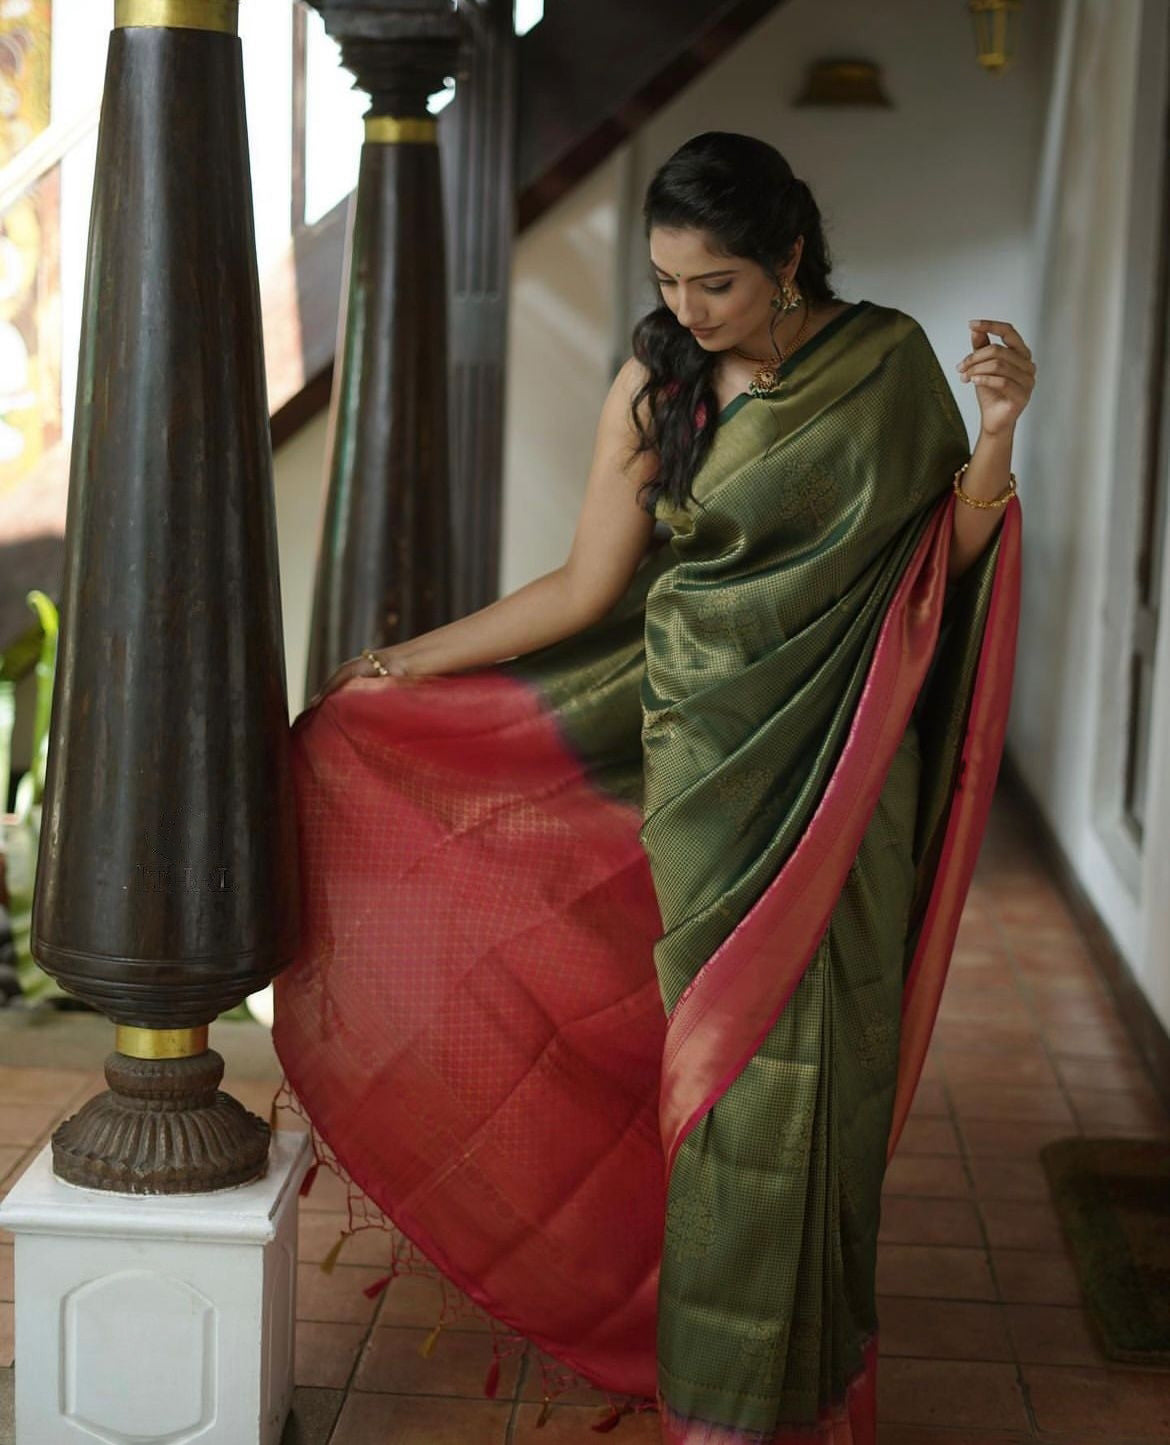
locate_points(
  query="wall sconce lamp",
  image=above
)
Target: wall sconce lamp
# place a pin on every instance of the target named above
(843, 82)
(996, 24)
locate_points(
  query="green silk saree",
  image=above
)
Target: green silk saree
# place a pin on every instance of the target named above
(621, 959)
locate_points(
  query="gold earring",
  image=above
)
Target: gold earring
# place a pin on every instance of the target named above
(791, 296)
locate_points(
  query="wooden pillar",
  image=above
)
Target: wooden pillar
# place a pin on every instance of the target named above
(478, 141)
(384, 571)
(166, 887)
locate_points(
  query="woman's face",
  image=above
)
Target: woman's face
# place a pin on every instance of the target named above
(723, 301)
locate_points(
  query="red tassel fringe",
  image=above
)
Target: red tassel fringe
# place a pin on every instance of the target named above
(372, 1291)
(491, 1384)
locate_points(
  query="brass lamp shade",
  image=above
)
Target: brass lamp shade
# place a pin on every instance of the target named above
(996, 23)
(843, 82)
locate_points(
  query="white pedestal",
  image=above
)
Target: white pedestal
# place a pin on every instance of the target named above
(156, 1318)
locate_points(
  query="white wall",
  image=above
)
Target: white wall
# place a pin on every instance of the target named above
(558, 370)
(298, 470)
(928, 206)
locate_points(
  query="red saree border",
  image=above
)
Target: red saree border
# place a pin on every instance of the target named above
(852, 1422)
(725, 1013)
(970, 804)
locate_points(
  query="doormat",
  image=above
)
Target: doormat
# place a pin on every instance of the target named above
(1113, 1198)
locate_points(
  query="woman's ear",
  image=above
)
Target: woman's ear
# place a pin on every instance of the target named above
(788, 270)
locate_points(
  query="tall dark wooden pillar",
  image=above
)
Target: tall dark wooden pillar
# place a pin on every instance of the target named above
(478, 141)
(166, 887)
(384, 572)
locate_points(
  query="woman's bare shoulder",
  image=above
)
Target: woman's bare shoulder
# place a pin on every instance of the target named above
(632, 377)
(619, 404)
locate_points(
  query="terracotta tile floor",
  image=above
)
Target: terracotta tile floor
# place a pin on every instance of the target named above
(984, 1341)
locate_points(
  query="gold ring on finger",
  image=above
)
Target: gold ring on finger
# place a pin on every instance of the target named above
(372, 657)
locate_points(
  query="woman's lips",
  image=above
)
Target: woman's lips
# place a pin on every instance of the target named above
(703, 330)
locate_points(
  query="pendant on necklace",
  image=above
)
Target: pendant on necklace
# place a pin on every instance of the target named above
(765, 381)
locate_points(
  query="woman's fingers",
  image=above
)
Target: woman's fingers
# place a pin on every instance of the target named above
(360, 667)
(1006, 384)
(998, 366)
(998, 363)
(991, 352)
(335, 680)
(1005, 329)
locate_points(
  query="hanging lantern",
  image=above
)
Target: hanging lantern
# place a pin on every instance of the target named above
(996, 24)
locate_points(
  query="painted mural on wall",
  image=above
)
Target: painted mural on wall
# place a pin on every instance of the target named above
(30, 380)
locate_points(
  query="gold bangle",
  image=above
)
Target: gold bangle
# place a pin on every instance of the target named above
(379, 668)
(1001, 501)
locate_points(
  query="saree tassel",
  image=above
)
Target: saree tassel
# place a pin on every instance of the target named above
(610, 1422)
(372, 1291)
(427, 1348)
(545, 1412)
(331, 1258)
(491, 1384)
(310, 1179)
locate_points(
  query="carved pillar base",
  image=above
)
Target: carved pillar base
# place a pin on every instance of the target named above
(164, 1127)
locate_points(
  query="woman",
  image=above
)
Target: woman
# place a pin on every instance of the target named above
(622, 956)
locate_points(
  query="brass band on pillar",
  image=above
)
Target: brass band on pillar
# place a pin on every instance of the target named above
(401, 130)
(221, 15)
(138, 1043)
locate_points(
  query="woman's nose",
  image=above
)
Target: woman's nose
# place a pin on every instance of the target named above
(689, 314)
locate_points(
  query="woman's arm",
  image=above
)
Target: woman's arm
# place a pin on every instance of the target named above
(1003, 376)
(985, 478)
(611, 537)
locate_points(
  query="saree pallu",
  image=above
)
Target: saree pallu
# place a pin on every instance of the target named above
(620, 960)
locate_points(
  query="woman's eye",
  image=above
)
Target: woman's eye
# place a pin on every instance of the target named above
(710, 290)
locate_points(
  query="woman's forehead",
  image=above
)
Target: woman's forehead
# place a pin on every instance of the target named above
(688, 253)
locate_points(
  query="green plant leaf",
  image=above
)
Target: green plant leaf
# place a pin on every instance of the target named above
(7, 724)
(46, 666)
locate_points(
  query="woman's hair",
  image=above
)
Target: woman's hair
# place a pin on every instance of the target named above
(741, 193)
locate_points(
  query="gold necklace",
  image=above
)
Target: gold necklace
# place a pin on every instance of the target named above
(767, 377)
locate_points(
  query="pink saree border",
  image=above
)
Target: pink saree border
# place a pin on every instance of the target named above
(726, 1012)
(970, 805)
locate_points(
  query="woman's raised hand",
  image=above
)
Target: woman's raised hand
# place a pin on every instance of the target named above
(393, 659)
(1004, 374)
